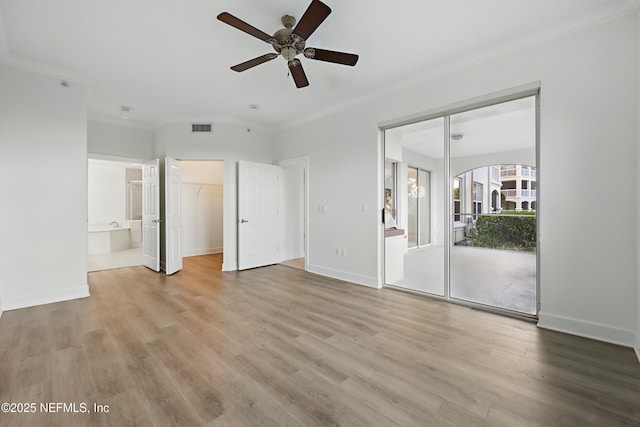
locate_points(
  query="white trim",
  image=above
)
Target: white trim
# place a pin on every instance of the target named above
(116, 159)
(46, 70)
(587, 329)
(358, 279)
(304, 161)
(117, 121)
(207, 251)
(165, 120)
(46, 298)
(553, 32)
(510, 94)
(636, 347)
(228, 266)
(292, 255)
(1, 309)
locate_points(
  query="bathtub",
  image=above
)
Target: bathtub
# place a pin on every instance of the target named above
(105, 238)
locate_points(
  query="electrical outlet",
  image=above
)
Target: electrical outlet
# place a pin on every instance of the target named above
(343, 252)
(338, 251)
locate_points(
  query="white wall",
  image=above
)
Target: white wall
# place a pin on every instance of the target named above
(43, 190)
(107, 192)
(122, 140)
(589, 109)
(343, 177)
(229, 142)
(202, 207)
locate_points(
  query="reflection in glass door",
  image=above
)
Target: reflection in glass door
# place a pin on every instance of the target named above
(419, 206)
(415, 242)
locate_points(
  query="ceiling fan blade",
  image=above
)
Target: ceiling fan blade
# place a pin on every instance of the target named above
(331, 56)
(228, 18)
(297, 72)
(315, 14)
(255, 61)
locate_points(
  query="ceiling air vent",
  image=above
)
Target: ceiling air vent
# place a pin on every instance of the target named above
(200, 127)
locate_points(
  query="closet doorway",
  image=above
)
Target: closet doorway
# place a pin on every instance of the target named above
(202, 208)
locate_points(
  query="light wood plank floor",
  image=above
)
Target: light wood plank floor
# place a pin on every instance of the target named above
(281, 347)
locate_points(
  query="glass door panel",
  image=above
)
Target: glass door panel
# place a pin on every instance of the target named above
(492, 255)
(418, 150)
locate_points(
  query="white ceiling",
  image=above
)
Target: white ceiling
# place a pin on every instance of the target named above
(170, 59)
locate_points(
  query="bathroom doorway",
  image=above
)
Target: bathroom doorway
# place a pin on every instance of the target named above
(115, 211)
(114, 214)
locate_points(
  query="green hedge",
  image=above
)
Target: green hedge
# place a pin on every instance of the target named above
(506, 232)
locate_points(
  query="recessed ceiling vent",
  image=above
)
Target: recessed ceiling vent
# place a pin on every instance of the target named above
(200, 127)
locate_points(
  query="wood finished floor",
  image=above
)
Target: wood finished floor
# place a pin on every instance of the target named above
(280, 347)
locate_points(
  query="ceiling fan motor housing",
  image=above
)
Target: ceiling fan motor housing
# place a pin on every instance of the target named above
(288, 44)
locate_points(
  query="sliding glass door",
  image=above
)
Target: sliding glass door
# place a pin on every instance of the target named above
(415, 242)
(466, 205)
(492, 257)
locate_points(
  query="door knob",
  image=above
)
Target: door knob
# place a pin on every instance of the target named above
(242, 221)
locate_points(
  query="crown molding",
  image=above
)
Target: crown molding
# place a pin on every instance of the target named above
(576, 24)
(46, 70)
(116, 121)
(15, 61)
(167, 120)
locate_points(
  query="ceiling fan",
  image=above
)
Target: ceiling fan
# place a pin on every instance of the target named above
(290, 41)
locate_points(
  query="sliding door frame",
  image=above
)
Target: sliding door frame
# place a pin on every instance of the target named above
(512, 94)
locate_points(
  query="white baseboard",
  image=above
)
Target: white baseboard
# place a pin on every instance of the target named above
(47, 298)
(292, 255)
(586, 329)
(358, 279)
(637, 346)
(208, 251)
(1, 309)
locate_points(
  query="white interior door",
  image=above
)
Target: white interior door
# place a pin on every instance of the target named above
(258, 215)
(173, 215)
(151, 214)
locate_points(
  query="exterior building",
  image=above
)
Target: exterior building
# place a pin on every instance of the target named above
(519, 187)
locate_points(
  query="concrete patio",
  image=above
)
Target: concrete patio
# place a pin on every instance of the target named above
(497, 278)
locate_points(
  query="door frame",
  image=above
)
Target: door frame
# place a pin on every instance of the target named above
(133, 161)
(225, 183)
(531, 89)
(304, 161)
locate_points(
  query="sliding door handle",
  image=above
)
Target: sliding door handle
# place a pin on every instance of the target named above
(242, 221)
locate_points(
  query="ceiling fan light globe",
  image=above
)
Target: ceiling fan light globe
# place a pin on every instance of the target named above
(288, 52)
